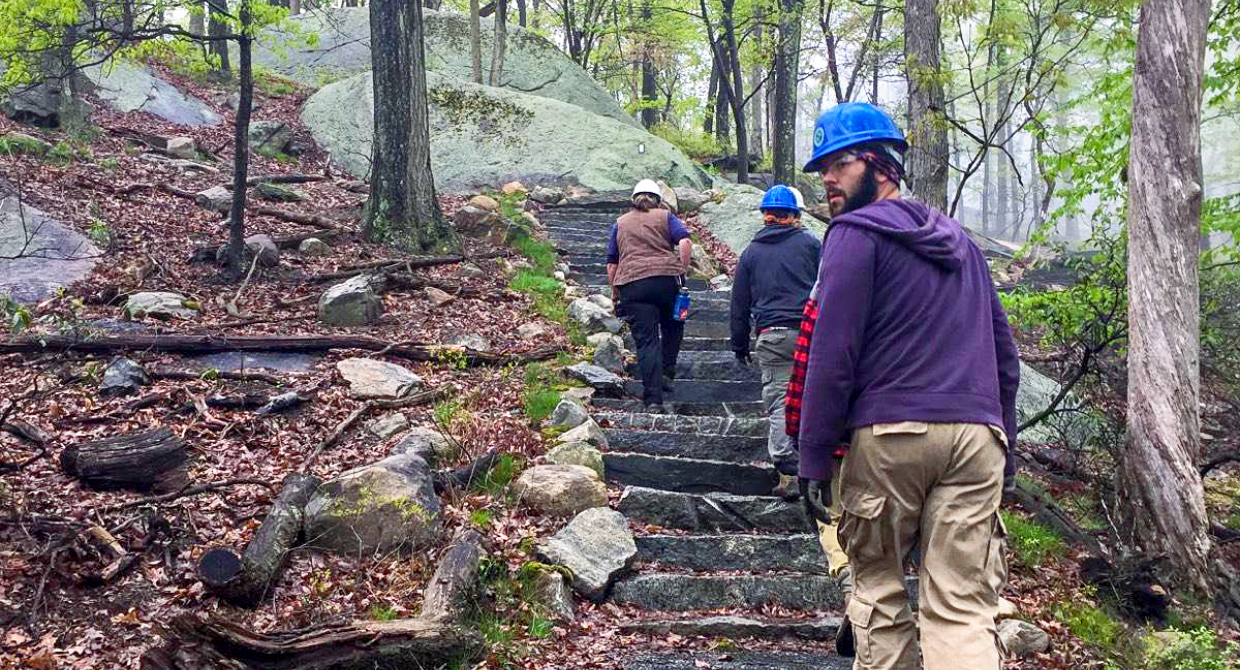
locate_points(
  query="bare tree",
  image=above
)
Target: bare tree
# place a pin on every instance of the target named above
(1159, 477)
(475, 41)
(787, 51)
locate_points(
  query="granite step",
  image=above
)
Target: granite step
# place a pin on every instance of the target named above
(714, 365)
(731, 448)
(680, 423)
(680, 592)
(688, 475)
(738, 627)
(702, 390)
(736, 660)
(600, 280)
(705, 344)
(713, 512)
(747, 409)
(799, 553)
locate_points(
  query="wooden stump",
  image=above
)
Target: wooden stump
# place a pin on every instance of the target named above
(244, 580)
(196, 643)
(150, 459)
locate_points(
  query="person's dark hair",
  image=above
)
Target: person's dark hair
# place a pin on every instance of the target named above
(644, 202)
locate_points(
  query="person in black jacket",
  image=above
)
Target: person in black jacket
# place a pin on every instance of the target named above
(773, 280)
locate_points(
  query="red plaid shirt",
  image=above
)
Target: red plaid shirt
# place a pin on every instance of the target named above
(800, 366)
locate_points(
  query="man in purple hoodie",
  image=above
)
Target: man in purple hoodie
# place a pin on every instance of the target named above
(912, 363)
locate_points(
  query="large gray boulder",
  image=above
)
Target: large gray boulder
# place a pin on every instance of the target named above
(126, 87)
(736, 218)
(597, 546)
(159, 305)
(482, 136)
(1034, 395)
(369, 378)
(532, 64)
(64, 256)
(386, 506)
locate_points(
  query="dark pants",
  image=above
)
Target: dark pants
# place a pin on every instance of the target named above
(647, 304)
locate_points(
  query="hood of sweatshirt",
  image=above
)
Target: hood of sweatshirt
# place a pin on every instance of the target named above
(774, 233)
(928, 233)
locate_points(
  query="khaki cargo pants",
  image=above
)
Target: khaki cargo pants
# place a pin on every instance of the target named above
(938, 485)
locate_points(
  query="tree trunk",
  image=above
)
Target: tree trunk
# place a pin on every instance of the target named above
(194, 642)
(475, 41)
(521, 17)
(786, 68)
(1002, 166)
(1163, 490)
(501, 43)
(241, 149)
(294, 7)
(650, 114)
(712, 96)
(736, 92)
(216, 28)
(756, 115)
(402, 209)
(146, 460)
(245, 581)
(198, 19)
(926, 130)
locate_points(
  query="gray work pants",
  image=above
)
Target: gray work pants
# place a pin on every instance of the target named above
(774, 353)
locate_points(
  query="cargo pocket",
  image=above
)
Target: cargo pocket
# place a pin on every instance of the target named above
(996, 569)
(860, 614)
(861, 527)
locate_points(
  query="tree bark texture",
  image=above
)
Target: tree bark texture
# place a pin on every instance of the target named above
(245, 581)
(757, 114)
(402, 209)
(926, 130)
(501, 43)
(454, 580)
(1164, 493)
(785, 112)
(475, 41)
(712, 93)
(241, 148)
(145, 460)
(196, 642)
(735, 90)
(650, 91)
(198, 19)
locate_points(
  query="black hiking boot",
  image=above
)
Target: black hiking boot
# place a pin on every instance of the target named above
(787, 488)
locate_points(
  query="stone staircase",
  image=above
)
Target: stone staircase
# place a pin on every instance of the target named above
(694, 489)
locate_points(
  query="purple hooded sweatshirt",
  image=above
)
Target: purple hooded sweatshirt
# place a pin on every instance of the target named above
(910, 329)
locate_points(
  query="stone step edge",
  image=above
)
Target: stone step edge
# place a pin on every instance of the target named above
(738, 626)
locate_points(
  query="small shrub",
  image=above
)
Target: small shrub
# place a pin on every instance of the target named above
(381, 612)
(99, 232)
(1032, 542)
(64, 152)
(1197, 649)
(14, 315)
(540, 396)
(499, 476)
(19, 144)
(273, 84)
(698, 146)
(481, 518)
(1092, 624)
(541, 627)
(542, 254)
(446, 412)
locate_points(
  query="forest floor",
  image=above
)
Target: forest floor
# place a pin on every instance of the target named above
(50, 619)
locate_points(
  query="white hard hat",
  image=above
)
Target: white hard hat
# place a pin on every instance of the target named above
(800, 198)
(647, 186)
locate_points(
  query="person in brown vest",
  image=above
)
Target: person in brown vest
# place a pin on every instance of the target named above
(647, 256)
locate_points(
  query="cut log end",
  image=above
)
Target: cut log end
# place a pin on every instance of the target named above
(219, 567)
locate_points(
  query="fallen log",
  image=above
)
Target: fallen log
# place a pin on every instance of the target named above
(208, 343)
(195, 642)
(145, 460)
(463, 476)
(406, 264)
(454, 580)
(190, 375)
(206, 254)
(321, 222)
(1048, 512)
(245, 580)
(281, 179)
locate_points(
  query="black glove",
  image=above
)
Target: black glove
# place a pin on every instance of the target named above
(742, 357)
(816, 494)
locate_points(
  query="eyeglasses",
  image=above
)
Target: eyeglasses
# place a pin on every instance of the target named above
(836, 166)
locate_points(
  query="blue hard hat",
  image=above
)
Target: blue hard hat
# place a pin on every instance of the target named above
(849, 124)
(780, 197)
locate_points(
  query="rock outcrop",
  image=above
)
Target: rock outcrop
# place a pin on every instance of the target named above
(532, 65)
(482, 135)
(64, 256)
(390, 505)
